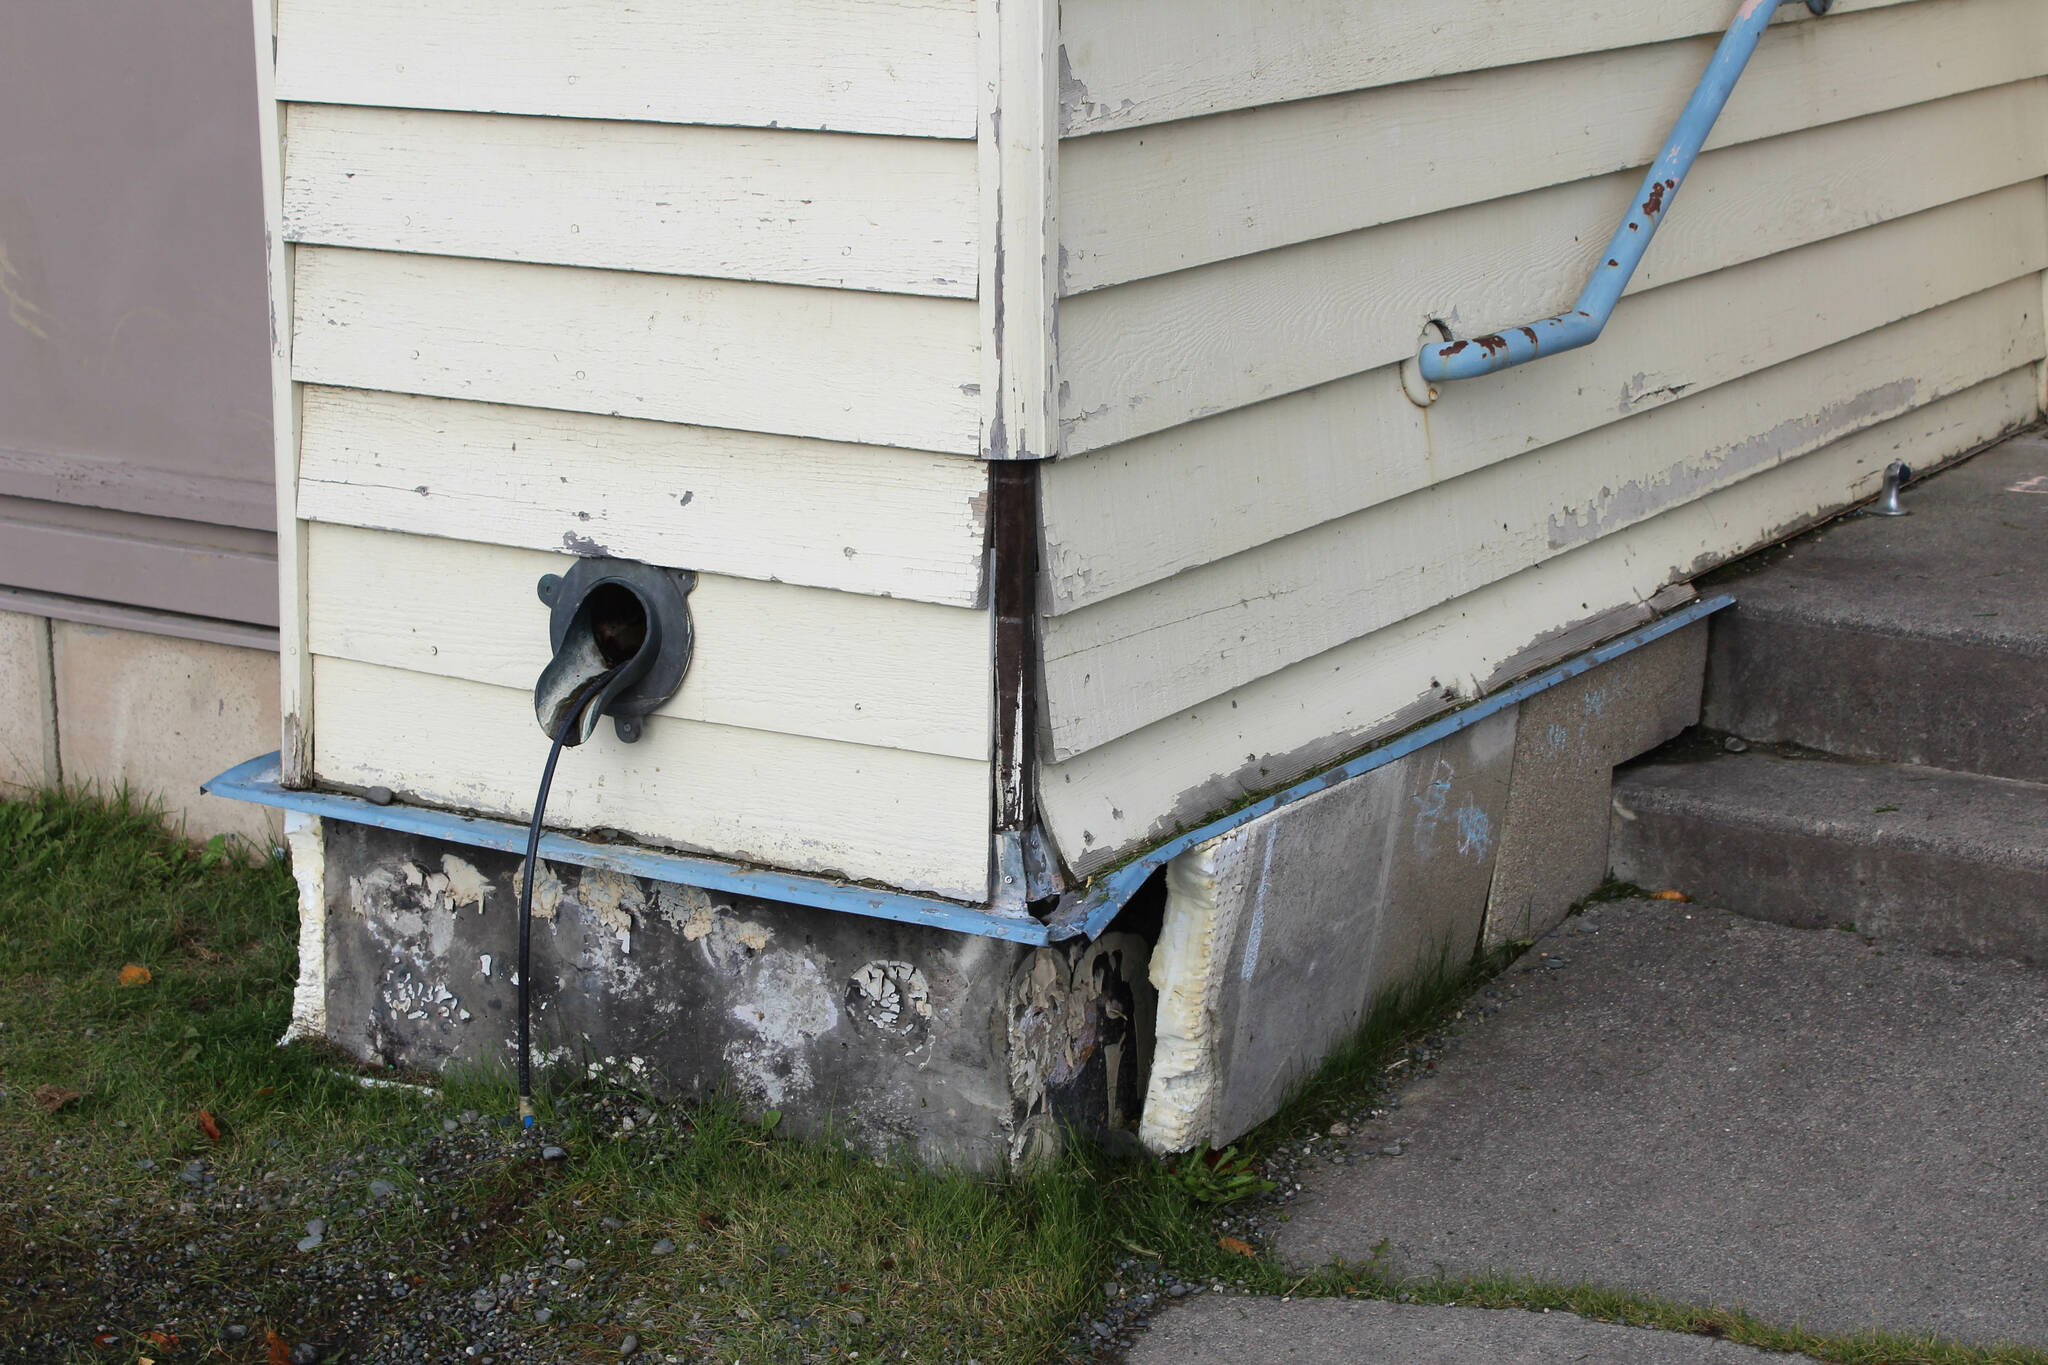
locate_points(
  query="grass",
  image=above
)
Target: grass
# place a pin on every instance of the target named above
(783, 1250)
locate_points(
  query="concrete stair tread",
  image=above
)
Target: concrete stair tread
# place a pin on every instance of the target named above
(1920, 639)
(1947, 861)
(1903, 804)
(1966, 567)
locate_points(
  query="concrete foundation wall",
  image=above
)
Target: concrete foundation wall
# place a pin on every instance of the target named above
(1190, 1021)
(94, 705)
(963, 1049)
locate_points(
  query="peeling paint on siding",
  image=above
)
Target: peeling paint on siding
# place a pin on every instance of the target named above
(1615, 508)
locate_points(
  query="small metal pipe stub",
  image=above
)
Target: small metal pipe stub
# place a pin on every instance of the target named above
(1897, 475)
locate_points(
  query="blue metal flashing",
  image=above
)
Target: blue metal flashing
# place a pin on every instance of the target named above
(1470, 358)
(258, 780)
(1086, 912)
(1090, 911)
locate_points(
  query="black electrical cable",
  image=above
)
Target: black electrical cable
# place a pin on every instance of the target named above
(574, 716)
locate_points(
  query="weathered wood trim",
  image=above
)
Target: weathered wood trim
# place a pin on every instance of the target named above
(295, 661)
(1132, 63)
(1141, 204)
(833, 210)
(864, 66)
(1013, 555)
(769, 656)
(915, 821)
(1019, 144)
(1127, 795)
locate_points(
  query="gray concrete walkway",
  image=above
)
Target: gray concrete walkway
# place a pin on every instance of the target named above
(1711, 1109)
(1245, 1331)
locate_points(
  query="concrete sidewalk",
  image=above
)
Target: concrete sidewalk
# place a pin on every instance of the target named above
(1246, 1331)
(1688, 1104)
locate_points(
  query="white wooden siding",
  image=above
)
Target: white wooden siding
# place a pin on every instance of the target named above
(1217, 627)
(1165, 198)
(865, 519)
(1259, 553)
(1128, 63)
(884, 213)
(1152, 355)
(866, 66)
(769, 656)
(1141, 510)
(839, 364)
(918, 821)
(1122, 796)
(693, 282)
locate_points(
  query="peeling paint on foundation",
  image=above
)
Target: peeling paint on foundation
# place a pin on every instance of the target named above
(890, 995)
(791, 1004)
(613, 897)
(465, 885)
(548, 891)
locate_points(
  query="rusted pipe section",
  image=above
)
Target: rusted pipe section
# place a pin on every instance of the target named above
(1474, 356)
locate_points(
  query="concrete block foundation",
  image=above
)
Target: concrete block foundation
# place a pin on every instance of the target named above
(161, 715)
(94, 705)
(28, 705)
(1554, 838)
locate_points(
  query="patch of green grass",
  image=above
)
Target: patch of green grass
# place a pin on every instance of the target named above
(782, 1249)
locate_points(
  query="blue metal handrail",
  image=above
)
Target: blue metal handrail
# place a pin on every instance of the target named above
(1468, 359)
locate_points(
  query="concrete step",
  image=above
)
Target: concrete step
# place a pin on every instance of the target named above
(1951, 862)
(1919, 639)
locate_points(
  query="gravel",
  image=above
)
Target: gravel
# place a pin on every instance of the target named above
(352, 1263)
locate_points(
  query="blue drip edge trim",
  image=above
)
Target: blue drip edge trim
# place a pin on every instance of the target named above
(1087, 912)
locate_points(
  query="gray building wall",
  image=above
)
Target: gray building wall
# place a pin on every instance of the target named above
(138, 578)
(135, 451)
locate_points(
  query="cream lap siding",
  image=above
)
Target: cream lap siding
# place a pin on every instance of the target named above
(1138, 790)
(1259, 553)
(695, 284)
